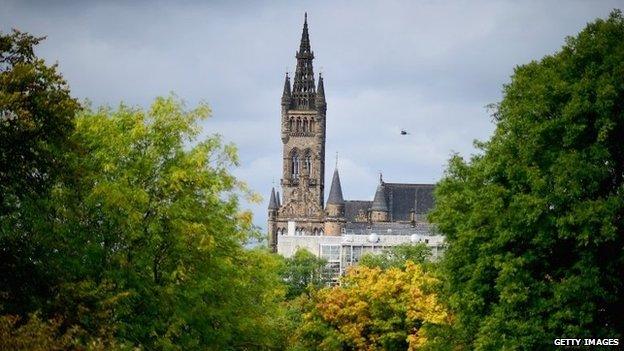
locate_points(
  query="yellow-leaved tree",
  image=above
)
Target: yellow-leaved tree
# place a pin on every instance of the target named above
(372, 309)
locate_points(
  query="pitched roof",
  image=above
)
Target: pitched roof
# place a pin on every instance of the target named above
(273, 201)
(400, 199)
(380, 202)
(405, 198)
(335, 193)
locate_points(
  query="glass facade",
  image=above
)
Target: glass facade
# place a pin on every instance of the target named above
(331, 253)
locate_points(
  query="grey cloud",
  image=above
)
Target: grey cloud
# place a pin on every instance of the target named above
(429, 67)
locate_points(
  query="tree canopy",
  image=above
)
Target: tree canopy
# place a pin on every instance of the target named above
(372, 309)
(397, 256)
(303, 272)
(36, 119)
(534, 223)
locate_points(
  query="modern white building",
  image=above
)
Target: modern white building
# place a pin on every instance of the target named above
(345, 250)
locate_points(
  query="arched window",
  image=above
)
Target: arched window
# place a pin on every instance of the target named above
(321, 232)
(315, 232)
(308, 163)
(279, 231)
(305, 125)
(298, 124)
(292, 124)
(312, 125)
(294, 166)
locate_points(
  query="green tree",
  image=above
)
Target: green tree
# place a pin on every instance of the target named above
(36, 120)
(159, 224)
(397, 256)
(142, 243)
(303, 271)
(534, 223)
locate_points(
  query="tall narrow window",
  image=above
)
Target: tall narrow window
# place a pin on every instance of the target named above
(308, 164)
(294, 166)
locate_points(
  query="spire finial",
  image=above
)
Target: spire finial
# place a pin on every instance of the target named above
(380, 177)
(304, 89)
(336, 160)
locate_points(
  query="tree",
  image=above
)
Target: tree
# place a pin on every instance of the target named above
(36, 120)
(397, 256)
(372, 309)
(534, 223)
(158, 219)
(142, 244)
(39, 335)
(302, 272)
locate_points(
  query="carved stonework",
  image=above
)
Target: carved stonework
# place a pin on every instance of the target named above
(361, 216)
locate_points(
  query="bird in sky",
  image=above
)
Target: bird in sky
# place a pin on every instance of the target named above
(404, 132)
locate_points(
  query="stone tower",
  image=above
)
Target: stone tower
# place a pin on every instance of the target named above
(379, 208)
(303, 155)
(335, 208)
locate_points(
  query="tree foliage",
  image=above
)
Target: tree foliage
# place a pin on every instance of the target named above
(142, 240)
(372, 309)
(36, 120)
(160, 221)
(39, 335)
(397, 256)
(534, 224)
(303, 272)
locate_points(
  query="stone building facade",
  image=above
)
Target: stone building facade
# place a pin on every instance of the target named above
(301, 218)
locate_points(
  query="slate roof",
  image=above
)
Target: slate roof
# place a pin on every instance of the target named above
(401, 199)
(335, 193)
(273, 201)
(353, 207)
(380, 202)
(404, 198)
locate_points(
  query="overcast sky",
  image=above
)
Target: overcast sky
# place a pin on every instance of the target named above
(428, 67)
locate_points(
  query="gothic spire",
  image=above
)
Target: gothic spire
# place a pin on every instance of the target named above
(335, 193)
(273, 201)
(286, 95)
(303, 86)
(320, 94)
(305, 38)
(279, 201)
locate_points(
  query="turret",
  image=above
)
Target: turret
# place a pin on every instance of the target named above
(272, 224)
(286, 94)
(335, 207)
(379, 209)
(319, 101)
